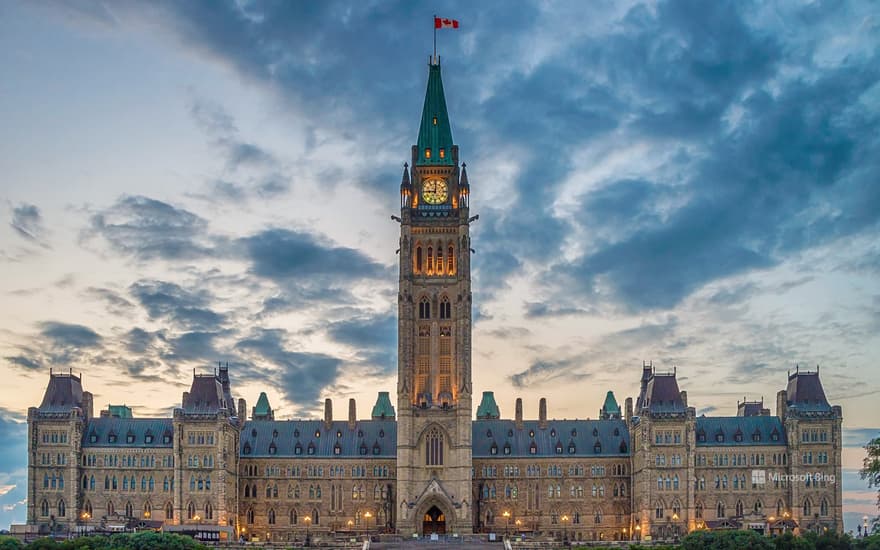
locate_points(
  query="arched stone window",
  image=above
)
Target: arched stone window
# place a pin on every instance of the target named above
(424, 308)
(111, 510)
(429, 269)
(169, 511)
(450, 260)
(445, 308)
(293, 517)
(250, 516)
(434, 447)
(807, 508)
(417, 260)
(209, 511)
(271, 516)
(190, 511)
(698, 510)
(62, 508)
(739, 508)
(823, 507)
(148, 509)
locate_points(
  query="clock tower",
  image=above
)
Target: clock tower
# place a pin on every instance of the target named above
(434, 330)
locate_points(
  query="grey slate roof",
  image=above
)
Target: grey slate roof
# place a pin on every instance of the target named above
(99, 430)
(207, 396)
(746, 426)
(63, 393)
(612, 436)
(805, 392)
(259, 436)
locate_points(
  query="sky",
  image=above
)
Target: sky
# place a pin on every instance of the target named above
(689, 183)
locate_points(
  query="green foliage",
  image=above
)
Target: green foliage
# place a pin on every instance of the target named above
(788, 541)
(10, 543)
(146, 540)
(726, 540)
(871, 465)
(867, 543)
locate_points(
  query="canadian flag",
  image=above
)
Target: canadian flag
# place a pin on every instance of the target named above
(445, 23)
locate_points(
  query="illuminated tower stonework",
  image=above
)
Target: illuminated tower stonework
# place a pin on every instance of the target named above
(434, 329)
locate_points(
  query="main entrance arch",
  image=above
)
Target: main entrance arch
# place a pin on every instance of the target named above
(434, 522)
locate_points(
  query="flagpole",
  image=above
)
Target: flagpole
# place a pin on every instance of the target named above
(434, 24)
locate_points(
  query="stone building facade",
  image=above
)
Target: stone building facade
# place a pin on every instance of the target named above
(653, 469)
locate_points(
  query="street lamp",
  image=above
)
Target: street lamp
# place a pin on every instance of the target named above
(638, 532)
(564, 527)
(506, 515)
(367, 516)
(308, 520)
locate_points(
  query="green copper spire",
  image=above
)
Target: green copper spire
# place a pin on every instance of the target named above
(262, 410)
(488, 409)
(435, 134)
(383, 409)
(610, 409)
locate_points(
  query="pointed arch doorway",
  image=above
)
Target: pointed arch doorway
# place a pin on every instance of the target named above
(434, 522)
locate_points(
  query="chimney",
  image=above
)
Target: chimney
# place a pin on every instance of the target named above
(629, 410)
(328, 412)
(518, 419)
(185, 399)
(88, 404)
(781, 404)
(352, 413)
(542, 413)
(684, 398)
(242, 410)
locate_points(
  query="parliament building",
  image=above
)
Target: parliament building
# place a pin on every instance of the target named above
(651, 469)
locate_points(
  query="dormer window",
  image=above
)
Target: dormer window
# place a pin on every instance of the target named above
(493, 449)
(317, 434)
(719, 437)
(571, 448)
(376, 449)
(427, 152)
(166, 439)
(274, 434)
(507, 448)
(558, 448)
(360, 433)
(298, 450)
(338, 433)
(111, 438)
(337, 449)
(273, 449)
(148, 439)
(434, 121)
(129, 438)
(553, 432)
(756, 437)
(363, 449)
(246, 449)
(93, 438)
(595, 432)
(574, 433)
(738, 437)
(311, 448)
(488, 433)
(774, 436)
(597, 448)
(381, 433)
(533, 449)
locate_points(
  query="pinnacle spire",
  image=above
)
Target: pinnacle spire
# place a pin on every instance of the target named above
(435, 133)
(404, 182)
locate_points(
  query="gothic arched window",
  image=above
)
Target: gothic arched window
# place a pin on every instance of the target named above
(429, 269)
(450, 262)
(169, 511)
(445, 308)
(434, 447)
(424, 308)
(417, 264)
(190, 511)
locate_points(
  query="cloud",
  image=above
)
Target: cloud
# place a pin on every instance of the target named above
(24, 362)
(221, 128)
(373, 337)
(859, 437)
(28, 223)
(67, 335)
(301, 375)
(290, 255)
(116, 304)
(172, 303)
(148, 229)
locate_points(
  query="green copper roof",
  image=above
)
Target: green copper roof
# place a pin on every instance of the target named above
(435, 134)
(119, 411)
(611, 405)
(488, 409)
(383, 408)
(262, 406)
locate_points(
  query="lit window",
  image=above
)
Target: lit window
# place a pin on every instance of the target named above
(442, 153)
(435, 124)
(427, 152)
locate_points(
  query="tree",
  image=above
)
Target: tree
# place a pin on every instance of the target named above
(871, 469)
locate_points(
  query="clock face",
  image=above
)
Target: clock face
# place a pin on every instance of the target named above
(434, 191)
